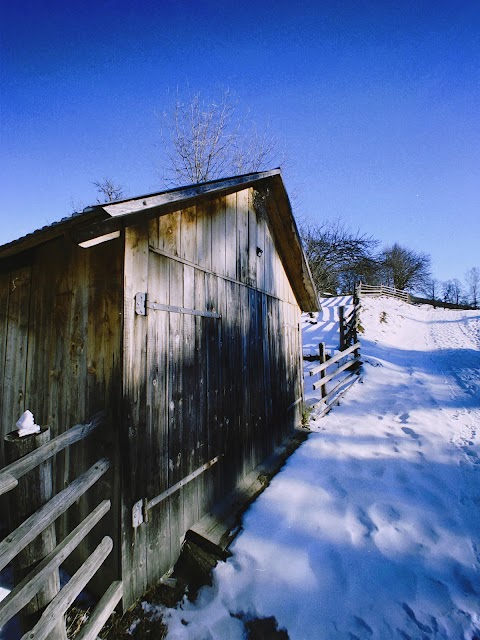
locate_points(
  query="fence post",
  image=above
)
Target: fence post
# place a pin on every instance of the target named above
(356, 309)
(321, 351)
(33, 491)
(357, 292)
(341, 322)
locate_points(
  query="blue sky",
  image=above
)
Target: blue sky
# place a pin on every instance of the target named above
(376, 104)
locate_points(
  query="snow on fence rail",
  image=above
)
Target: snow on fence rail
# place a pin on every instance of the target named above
(343, 367)
(382, 290)
(30, 471)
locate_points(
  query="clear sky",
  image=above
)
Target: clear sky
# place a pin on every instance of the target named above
(376, 103)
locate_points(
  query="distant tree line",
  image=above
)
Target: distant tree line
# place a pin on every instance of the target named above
(339, 258)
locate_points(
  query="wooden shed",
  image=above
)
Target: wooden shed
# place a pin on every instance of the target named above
(179, 313)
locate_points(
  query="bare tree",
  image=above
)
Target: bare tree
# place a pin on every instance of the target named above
(448, 290)
(108, 190)
(431, 288)
(473, 281)
(456, 290)
(338, 257)
(404, 268)
(205, 140)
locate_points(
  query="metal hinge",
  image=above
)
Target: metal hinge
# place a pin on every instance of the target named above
(141, 508)
(142, 304)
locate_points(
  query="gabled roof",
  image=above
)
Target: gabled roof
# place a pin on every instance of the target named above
(103, 219)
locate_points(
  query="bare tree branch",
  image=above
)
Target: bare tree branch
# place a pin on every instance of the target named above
(206, 140)
(108, 190)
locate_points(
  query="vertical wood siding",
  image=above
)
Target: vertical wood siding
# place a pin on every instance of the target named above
(212, 386)
(60, 352)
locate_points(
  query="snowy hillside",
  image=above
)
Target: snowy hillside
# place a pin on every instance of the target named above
(372, 529)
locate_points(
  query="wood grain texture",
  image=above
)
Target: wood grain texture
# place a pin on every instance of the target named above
(34, 490)
(102, 612)
(43, 517)
(16, 348)
(4, 300)
(57, 608)
(35, 580)
(134, 428)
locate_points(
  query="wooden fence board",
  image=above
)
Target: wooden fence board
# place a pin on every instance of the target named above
(34, 581)
(26, 532)
(78, 432)
(56, 609)
(102, 612)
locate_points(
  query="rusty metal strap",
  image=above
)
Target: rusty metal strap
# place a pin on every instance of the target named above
(142, 304)
(141, 508)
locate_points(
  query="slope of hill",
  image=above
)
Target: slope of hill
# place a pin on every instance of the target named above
(372, 529)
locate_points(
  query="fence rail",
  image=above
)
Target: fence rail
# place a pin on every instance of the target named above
(22, 599)
(346, 361)
(382, 290)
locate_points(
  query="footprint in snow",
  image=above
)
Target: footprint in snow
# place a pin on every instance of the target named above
(410, 432)
(411, 614)
(361, 624)
(404, 418)
(338, 490)
(367, 522)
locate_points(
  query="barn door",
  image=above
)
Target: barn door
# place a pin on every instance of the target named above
(183, 361)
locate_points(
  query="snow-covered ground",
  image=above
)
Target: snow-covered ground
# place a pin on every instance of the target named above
(372, 529)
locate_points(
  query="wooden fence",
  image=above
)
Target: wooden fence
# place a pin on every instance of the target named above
(343, 368)
(382, 290)
(38, 597)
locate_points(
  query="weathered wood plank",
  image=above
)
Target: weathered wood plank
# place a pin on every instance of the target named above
(26, 532)
(231, 236)
(201, 389)
(261, 232)
(44, 324)
(56, 609)
(191, 506)
(334, 359)
(34, 491)
(7, 483)
(188, 234)
(346, 383)
(252, 241)
(102, 612)
(16, 347)
(218, 224)
(268, 261)
(158, 528)
(78, 432)
(133, 437)
(34, 581)
(212, 363)
(169, 237)
(4, 296)
(336, 372)
(242, 236)
(246, 391)
(204, 234)
(177, 456)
